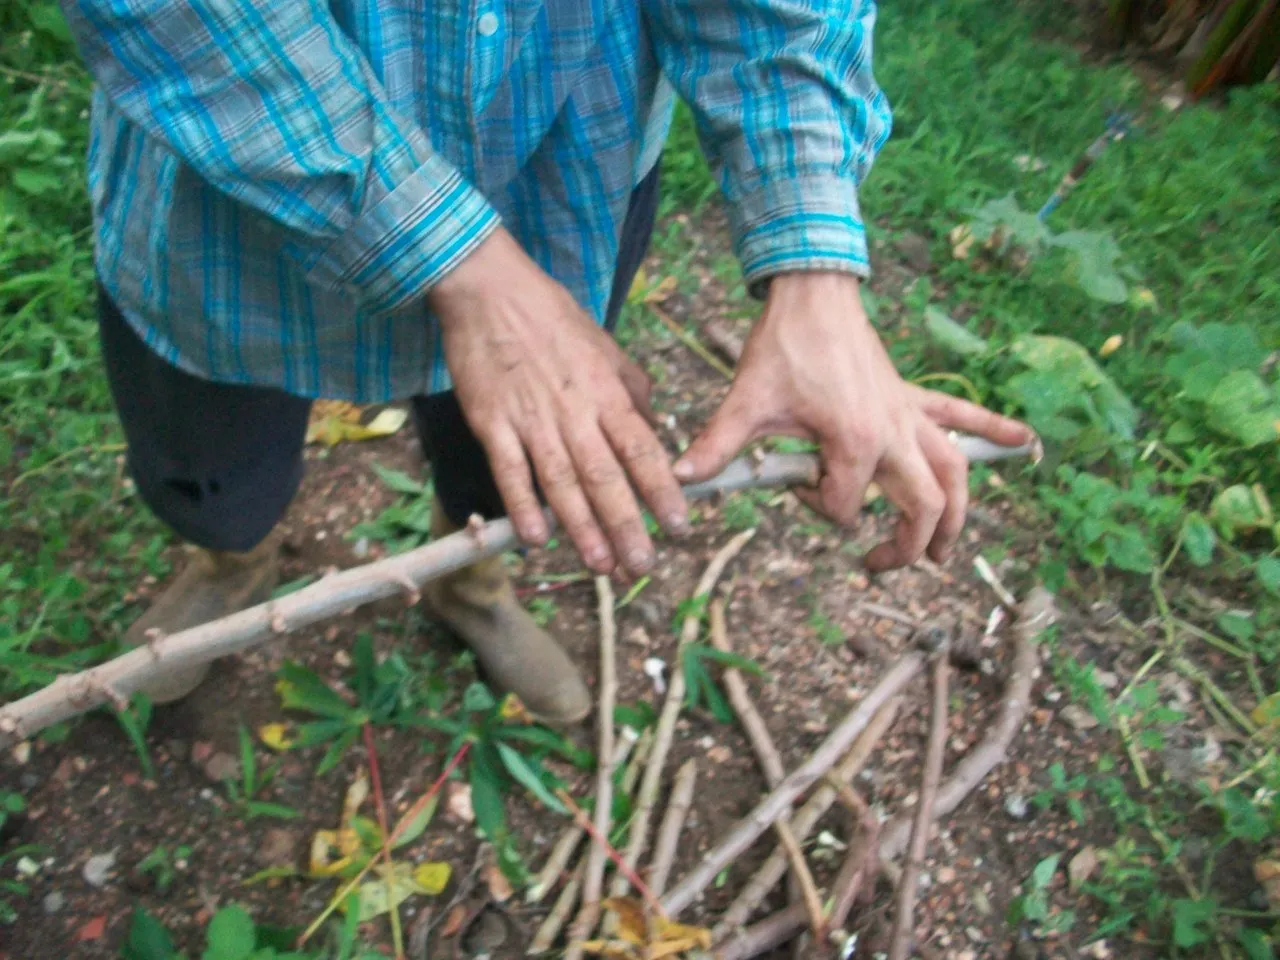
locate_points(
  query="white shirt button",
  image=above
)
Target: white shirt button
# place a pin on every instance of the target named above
(487, 25)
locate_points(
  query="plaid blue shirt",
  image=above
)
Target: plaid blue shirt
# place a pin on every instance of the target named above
(276, 183)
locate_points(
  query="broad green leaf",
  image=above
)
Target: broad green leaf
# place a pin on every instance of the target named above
(1257, 945)
(148, 939)
(952, 336)
(398, 481)
(1241, 818)
(1128, 549)
(384, 890)
(1073, 369)
(1095, 255)
(1241, 509)
(230, 935)
(1190, 921)
(524, 774)
(1241, 407)
(1198, 538)
(637, 716)
(333, 755)
(301, 689)
(1268, 571)
(1023, 227)
(318, 731)
(477, 698)
(1042, 874)
(542, 738)
(36, 182)
(419, 823)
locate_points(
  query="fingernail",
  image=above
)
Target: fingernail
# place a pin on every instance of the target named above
(678, 523)
(683, 470)
(639, 560)
(598, 557)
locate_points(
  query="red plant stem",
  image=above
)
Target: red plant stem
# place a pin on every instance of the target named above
(375, 775)
(407, 819)
(581, 818)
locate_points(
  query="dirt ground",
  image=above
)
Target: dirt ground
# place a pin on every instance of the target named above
(87, 798)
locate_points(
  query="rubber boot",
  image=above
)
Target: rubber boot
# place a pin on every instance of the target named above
(213, 584)
(517, 655)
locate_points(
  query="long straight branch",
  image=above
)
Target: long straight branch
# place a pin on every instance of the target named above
(803, 823)
(904, 916)
(115, 681)
(593, 879)
(1035, 615)
(638, 837)
(668, 841)
(779, 801)
(806, 891)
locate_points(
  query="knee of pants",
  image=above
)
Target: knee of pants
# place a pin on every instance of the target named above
(233, 513)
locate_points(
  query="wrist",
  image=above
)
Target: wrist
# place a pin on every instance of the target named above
(487, 269)
(820, 292)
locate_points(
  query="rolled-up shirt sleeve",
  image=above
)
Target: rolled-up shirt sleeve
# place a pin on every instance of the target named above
(790, 116)
(269, 102)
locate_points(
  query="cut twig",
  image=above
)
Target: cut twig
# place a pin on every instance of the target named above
(664, 848)
(638, 837)
(692, 342)
(546, 936)
(343, 592)
(1036, 615)
(771, 765)
(567, 843)
(779, 801)
(593, 879)
(814, 809)
(862, 860)
(904, 916)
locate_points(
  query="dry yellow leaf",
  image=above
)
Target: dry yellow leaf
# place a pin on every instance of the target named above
(611, 949)
(432, 878)
(276, 736)
(513, 710)
(961, 238)
(668, 938)
(663, 290)
(1111, 345)
(336, 421)
(328, 858)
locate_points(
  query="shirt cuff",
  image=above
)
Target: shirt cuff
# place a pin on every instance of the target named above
(409, 240)
(809, 223)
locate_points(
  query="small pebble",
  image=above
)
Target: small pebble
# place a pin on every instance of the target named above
(361, 548)
(22, 752)
(1077, 717)
(98, 868)
(27, 867)
(53, 902)
(1016, 806)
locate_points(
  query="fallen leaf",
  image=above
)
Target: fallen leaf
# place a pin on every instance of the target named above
(336, 421)
(499, 885)
(327, 856)
(453, 922)
(276, 736)
(664, 289)
(98, 868)
(513, 711)
(662, 938)
(432, 878)
(1081, 867)
(1111, 345)
(1267, 872)
(92, 930)
(961, 238)
(356, 795)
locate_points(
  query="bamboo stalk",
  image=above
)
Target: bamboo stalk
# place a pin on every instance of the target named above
(779, 801)
(806, 891)
(904, 916)
(593, 878)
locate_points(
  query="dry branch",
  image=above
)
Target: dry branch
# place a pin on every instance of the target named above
(1036, 614)
(115, 681)
(559, 915)
(904, 916)
(814, 809)
(664, 848)
(779, 801)
(638, 837)
(770, 762)
(862, 860)
(567, 843)
(593, 879)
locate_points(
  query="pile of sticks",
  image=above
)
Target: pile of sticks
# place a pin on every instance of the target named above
(820, 922)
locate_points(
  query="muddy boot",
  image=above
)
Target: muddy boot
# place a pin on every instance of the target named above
(212, 585)
(516, 654)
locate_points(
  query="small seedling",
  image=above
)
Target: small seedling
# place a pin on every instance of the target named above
(243, 793)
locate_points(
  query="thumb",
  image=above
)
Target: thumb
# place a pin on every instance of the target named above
(730, 429)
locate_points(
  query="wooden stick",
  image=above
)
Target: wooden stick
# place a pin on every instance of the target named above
(563, 850)
(771, 764)
(339, 593)
(863, 857)
(904, 915)
(546, 936)
(1036, 614)
(593, 878)
(779, 801)
(664, 848)
(638, 837)
(802, 824)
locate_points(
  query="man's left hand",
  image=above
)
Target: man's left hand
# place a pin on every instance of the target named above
(815, 368)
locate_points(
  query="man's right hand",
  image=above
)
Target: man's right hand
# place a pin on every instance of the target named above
(541, 384)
